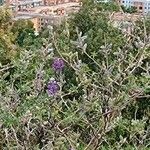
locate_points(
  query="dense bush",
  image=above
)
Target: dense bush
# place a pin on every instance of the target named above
(87, 87)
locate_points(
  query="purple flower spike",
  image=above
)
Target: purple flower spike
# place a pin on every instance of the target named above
(58, 64)
(52, 87)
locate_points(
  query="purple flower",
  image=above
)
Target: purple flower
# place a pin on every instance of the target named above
(52, 87)
(58, 64)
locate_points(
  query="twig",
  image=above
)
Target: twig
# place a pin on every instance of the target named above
(6, 68)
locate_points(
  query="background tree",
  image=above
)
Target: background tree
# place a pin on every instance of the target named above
(130, 10)
(25, 33)
(7, 48)
(85, 88)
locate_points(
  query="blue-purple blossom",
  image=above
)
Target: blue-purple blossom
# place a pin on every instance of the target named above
(58, 64)
(52, 87)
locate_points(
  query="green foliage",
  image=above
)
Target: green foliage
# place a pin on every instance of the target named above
(91, 14)
(130, 10)
(108, 7)
(7, 49)
(103, 101)
(25, 34)
(15, 34)
(5, 16)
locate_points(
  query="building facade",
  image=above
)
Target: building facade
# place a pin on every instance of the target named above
(42, 14)
(142, 6)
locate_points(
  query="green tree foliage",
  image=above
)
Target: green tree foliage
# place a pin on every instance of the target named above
(94, 24)
(15, 34)
(130, 10)
(5, 17)
(103, 98)
(7, 49)
(25, 33)
(108, 7)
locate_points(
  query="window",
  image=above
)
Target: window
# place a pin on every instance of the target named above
(140, 8)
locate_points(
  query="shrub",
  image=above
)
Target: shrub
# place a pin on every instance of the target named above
(87, 88)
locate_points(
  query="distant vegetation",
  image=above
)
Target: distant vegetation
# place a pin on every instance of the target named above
(129, 10)
(84, 85)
